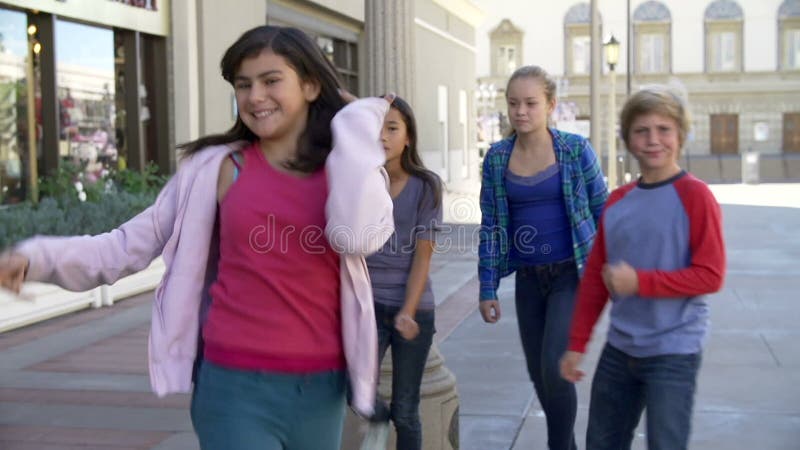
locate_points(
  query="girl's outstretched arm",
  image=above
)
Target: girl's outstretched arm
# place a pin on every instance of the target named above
(80, 263)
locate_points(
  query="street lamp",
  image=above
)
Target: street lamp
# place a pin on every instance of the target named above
(612, 58)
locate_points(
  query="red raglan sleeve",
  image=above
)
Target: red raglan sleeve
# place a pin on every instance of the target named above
(706, 271)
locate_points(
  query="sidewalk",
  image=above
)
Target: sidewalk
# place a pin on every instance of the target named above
(80, 381)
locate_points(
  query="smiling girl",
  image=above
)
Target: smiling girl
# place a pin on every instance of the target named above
(269, 331)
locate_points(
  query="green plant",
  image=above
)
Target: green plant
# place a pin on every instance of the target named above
(74, 205)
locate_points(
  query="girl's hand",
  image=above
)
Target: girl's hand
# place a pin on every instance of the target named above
(13, 267)
(406, 325)
(621, 279)
(569, 366)
(490, 310)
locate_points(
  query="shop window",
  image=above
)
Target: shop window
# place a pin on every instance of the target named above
(14, 117)
(87, 89)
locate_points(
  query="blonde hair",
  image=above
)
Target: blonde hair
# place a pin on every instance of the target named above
(656, 99)
(539, 74)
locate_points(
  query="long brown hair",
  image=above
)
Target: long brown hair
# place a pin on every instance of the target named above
(311, 65)
(410, 160)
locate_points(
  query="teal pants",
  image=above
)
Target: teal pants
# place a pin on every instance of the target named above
(246, 410)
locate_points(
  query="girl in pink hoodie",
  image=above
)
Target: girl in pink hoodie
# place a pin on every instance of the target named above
(265, 303)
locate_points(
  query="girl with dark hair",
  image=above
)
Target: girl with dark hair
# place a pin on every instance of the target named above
(541, 197)
(404, 304)
(266, 300)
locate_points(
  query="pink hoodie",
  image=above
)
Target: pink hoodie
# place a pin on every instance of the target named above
(359, 222)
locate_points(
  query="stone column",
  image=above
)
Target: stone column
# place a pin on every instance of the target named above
(438, 406)
(390, 47)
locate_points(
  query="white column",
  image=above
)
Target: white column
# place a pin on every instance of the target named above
(390, 45)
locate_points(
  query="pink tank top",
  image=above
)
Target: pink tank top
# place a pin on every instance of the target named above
(275, 302)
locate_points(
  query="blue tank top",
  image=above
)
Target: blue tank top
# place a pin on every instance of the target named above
(539, 228)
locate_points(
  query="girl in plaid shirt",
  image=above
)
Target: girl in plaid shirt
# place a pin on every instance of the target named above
(541, 198)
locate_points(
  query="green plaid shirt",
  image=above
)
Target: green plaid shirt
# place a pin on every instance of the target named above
(585, 194)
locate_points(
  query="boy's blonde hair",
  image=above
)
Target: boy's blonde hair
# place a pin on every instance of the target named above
(659, 100)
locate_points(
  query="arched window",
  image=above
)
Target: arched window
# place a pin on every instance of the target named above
(789, 35)
(724, 23)
(652, 28)
(577, 39)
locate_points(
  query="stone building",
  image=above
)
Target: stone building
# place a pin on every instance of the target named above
(737, 63)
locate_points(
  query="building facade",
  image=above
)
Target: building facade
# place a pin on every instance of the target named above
(736, 62)
(119, 83)
(84, 82)
(441, 96)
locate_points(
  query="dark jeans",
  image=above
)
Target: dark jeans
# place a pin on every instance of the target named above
(545, 298)
(408, 364)
(623, 386)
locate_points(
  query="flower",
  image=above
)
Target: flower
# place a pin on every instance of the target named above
(82, 196)
(79, 186)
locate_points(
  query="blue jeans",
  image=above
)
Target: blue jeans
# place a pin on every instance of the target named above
(248, 410)
(624, 386)
(545, 298)
(408, 364)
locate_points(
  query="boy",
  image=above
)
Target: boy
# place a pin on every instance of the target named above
(658, 251)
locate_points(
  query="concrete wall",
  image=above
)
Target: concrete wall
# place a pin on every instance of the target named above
(439, 32)
(202, 32)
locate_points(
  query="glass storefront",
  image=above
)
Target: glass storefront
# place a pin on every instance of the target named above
(13, 106)
(91, 94)
(87, 108)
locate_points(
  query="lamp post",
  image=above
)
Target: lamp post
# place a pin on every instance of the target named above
(612, 57)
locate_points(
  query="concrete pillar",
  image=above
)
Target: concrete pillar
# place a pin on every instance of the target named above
(438, 406)
(390, 40)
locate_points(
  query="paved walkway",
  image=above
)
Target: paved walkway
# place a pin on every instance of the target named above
(80, 381)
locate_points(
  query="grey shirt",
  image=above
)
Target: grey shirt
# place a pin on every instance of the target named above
(415, 217)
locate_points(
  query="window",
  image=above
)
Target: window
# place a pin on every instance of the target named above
(506, 60)
(86, 97)
(652, 30)
(789, 35)
(723, 46)
(578, 43)
(344, 56)
(792, 38)
(652, 53)
(724, 24)
(14, 112)
(581, 55)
